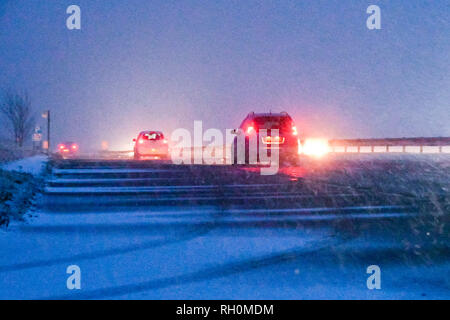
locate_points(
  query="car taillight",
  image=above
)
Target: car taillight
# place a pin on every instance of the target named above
(74, 147)
(141, 141)
(273, 140)
(61, 146)
(294, 130)
(250, 129)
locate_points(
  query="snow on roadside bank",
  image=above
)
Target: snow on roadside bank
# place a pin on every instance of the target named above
(19, 185)
(33, 165)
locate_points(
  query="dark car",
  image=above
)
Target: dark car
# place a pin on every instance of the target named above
(286, 141)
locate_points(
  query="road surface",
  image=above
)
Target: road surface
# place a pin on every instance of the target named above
(150, 230)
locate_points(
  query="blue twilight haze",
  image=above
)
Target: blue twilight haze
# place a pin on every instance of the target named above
(163, 64)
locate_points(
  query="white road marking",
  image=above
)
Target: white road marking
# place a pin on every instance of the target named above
(314, 209)
(207, 218)
(102, 171)
(84, 181)
(284, 218)
(179, 199)
(150, 188)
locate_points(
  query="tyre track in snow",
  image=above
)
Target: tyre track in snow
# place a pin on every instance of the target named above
(213, 272)
(191, 234)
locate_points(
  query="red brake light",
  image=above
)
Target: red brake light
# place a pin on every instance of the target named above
(74, 147)
(273, 140)
(250, 129)
(141, 141)
(294, 130)
(61, 146)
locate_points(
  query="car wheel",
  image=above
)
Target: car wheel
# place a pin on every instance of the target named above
(246, 153)
(247, 150)
(234, 154)
(295, 161)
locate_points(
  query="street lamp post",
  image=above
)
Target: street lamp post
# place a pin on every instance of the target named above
(46, 115)
(48, 130)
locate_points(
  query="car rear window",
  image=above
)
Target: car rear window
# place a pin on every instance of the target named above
(269, 122)
(152, 136)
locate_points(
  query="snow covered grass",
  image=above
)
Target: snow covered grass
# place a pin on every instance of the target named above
(33, 165)
(426, 179)
(422, 182)
(20, 182)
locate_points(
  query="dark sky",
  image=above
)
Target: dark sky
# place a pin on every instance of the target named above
(144, 64)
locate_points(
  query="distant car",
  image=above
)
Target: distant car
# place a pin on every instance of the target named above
(286, 141)
(68, 149)
(152, 145)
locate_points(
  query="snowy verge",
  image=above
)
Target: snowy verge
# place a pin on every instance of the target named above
(33, 165)
(20, 182)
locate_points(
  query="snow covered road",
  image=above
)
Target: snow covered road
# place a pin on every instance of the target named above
(207, 232)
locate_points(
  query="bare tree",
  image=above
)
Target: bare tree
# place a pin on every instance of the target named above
(16, 107)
